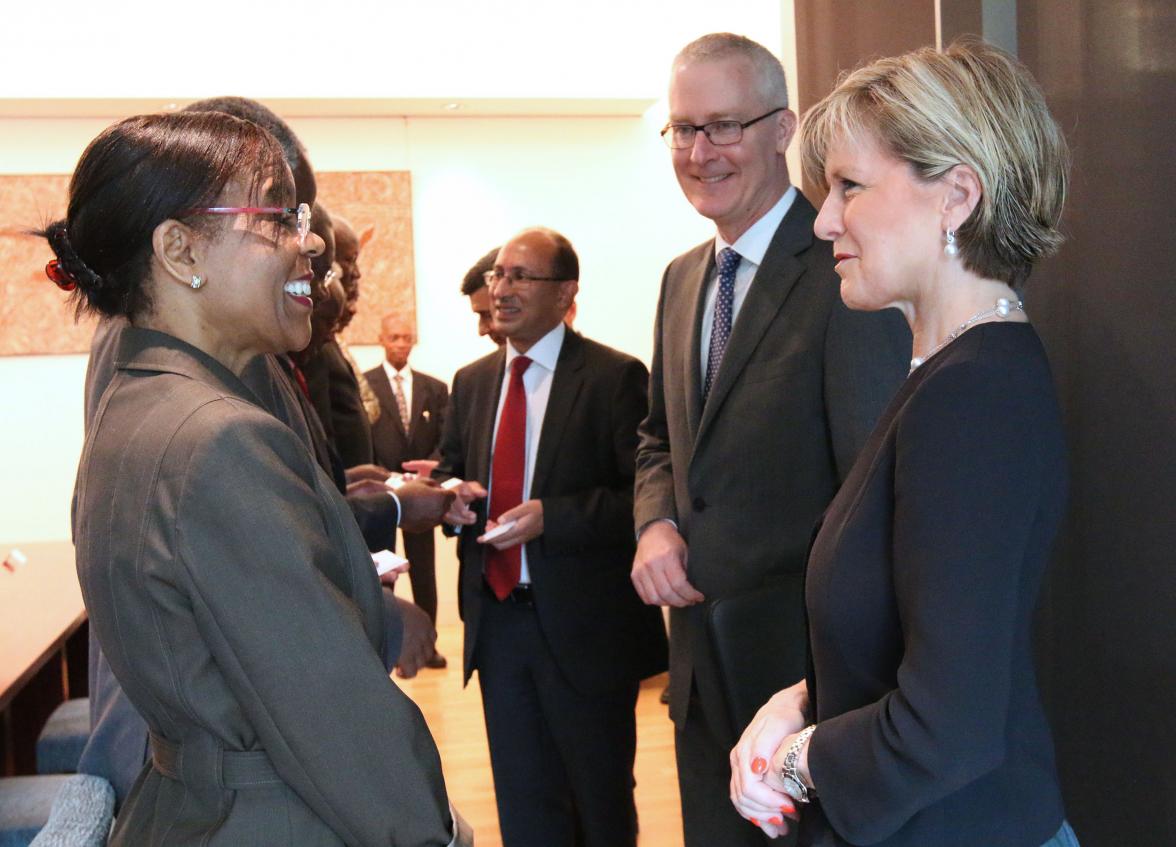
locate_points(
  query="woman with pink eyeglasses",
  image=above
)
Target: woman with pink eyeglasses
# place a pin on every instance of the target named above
(225, 577)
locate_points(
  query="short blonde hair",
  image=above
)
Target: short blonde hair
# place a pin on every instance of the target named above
(970, 104)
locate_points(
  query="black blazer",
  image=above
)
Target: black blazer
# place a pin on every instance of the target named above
(600, 632)
(392, 445)
(334, 392)
(746, 476)
(921, 588)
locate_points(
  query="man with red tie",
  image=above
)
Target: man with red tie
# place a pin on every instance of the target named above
(543, 434)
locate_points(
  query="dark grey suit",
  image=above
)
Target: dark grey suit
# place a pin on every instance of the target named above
(207, 537)
(392, 446)
(559, 679)
(746, 476)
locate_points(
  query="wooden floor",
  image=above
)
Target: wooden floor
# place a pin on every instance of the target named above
(455, 717)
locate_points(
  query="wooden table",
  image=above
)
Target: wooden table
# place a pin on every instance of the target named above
(42, 645)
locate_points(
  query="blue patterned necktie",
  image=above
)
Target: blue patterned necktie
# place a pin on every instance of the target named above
(721, 327)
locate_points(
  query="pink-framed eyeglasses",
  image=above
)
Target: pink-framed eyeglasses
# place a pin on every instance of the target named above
(299, 215)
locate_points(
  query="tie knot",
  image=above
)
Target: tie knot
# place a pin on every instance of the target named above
(519, 366)
(398, 378)
(728, 261)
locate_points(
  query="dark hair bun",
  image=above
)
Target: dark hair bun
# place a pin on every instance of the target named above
(69, 266)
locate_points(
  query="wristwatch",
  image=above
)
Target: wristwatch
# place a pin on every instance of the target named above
(794, 786)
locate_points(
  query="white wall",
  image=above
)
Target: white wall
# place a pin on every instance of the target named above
(604, 182)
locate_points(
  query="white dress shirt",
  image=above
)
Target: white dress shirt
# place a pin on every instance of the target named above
(543, 354)
(406, 385)
(751, 246)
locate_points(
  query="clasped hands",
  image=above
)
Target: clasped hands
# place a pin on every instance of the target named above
(527, 517)
(757, 791)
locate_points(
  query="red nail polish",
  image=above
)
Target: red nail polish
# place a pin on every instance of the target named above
(758, 765)
(754, 821)
(788, 810)
(775, 821)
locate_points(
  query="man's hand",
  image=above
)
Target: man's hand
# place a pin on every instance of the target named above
(420, 467)
(659, 568)
(528, 518)
(366, 479)
(374, 473)
(460, 513)
(389, 578)
(420, 640)
(423, 504)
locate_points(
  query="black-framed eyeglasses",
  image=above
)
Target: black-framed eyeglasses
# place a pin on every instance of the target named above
(718, 133)
(293, 217)
(518, 277)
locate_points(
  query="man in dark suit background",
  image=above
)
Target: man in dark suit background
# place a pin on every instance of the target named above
(473, 285)
(764, 387)
(412, 412)
(547, 427)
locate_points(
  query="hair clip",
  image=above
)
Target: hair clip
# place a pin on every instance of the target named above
(60, 276)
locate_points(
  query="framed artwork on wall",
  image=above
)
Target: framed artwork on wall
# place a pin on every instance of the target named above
(36, 316)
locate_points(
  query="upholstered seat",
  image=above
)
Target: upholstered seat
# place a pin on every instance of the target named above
(25, 805)
(62, 810)
(59, 746)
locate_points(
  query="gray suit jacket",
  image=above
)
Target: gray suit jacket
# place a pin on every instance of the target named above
(239, 608)
(117, 746)
(746, 476)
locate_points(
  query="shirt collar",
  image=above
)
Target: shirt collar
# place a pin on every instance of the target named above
(392, 372)
(543, 352)
(753, 244)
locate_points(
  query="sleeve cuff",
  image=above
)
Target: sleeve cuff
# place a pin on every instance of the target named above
(396, 500)
(648, 524)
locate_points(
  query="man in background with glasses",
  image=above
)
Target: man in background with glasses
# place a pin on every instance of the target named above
(543, 433)
(763, 389)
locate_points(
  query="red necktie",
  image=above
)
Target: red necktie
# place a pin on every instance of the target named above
(506, 481)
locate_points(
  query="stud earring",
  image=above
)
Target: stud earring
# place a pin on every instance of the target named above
(197, 281)
(950, 246)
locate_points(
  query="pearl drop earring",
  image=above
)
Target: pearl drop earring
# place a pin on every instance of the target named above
(197, 281)
(950, 246)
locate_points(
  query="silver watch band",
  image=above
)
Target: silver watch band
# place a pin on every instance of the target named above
(793, 784)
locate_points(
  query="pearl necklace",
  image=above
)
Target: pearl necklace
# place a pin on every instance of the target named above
(1001, 311)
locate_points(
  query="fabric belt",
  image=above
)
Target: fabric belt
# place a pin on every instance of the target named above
(238, 769)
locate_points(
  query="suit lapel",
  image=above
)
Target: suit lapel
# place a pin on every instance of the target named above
(694, 292)
(769, 289)
(565, 388)
(483, 418)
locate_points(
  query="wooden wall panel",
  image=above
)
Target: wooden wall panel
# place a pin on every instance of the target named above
(1106, 309)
